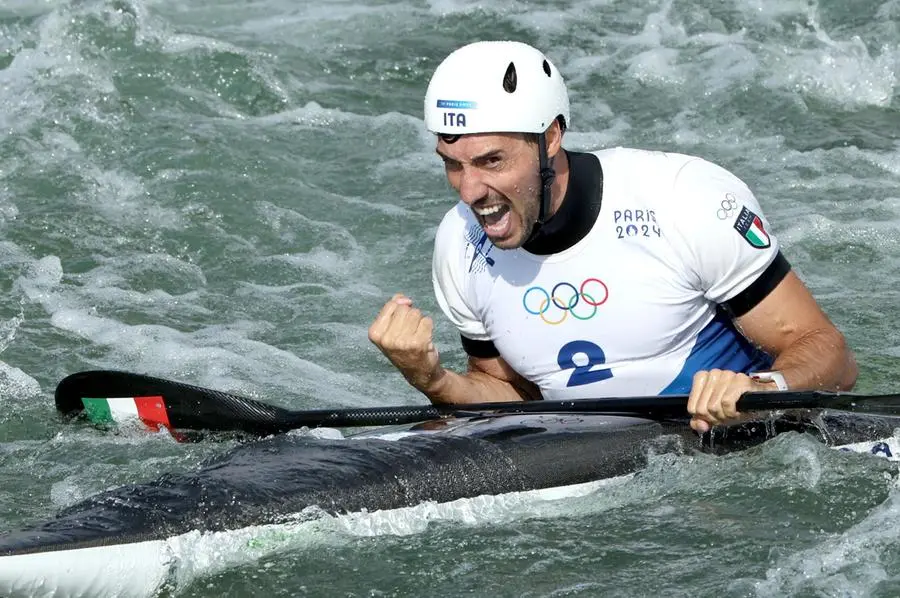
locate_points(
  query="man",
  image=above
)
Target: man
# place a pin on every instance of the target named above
(615, 273)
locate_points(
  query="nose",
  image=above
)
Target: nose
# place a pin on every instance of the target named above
(471, 186)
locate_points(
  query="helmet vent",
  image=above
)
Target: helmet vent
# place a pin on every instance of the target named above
(510, 81)
(547, 68)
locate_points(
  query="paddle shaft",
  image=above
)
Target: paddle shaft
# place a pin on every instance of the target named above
(195, 408)
(671, 406)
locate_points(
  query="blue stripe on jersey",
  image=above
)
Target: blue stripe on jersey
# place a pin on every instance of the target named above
(720, 346)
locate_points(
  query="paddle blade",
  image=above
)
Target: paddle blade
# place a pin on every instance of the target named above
(111, 396)
(151, 411)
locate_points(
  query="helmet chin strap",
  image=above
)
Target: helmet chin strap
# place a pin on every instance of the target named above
(547, 175)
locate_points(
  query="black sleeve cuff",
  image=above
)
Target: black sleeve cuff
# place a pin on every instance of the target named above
(483, 349)
(750, 297)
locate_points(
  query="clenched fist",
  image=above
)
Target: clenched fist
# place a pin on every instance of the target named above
(404, 335)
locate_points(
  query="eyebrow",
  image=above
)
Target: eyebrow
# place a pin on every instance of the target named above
(476, 159)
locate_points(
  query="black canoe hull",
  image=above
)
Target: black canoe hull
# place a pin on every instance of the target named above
(264, 482)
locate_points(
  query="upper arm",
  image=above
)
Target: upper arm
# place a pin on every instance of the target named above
(717, 227)
(453, 294)
(736, 262)
(498, 368)
(787, 314)
(451, 282)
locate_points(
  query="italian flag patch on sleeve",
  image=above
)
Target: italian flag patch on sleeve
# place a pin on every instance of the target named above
(750, 226)
(149, 410)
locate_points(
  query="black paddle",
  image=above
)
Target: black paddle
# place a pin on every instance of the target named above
(159, 402)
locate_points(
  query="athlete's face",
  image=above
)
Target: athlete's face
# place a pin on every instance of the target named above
(496, 174)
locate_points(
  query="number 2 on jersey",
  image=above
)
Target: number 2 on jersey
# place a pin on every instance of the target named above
(585, 373)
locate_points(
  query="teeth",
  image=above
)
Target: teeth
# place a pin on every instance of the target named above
(488, 211)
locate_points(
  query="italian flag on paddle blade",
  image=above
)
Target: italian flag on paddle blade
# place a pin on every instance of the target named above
(150, 410)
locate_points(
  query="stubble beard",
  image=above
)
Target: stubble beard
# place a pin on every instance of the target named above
(528, 219)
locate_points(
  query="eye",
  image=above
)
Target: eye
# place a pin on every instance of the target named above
(493, 161)
(449, 164)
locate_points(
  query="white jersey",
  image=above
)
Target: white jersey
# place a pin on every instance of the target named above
(631, 308)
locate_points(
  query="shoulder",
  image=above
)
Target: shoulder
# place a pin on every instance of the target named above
(665, 165)
(455, 226)
(651, 176)
(674, 181)
(453, 233)
(698, 174)
(455, 259)
(708, 195)
(453, 222)
(715, 223)
(684, 188)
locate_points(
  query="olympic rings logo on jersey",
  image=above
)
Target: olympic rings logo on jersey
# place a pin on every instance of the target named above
(565, 298)
(726, 207)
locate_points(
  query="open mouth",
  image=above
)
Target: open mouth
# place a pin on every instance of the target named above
(495, 220)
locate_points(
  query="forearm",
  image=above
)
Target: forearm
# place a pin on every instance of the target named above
(476, 387)
(820, 360)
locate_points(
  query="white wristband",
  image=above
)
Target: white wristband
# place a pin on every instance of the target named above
(773, 376)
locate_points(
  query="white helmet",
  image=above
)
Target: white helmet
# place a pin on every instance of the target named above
(495, 87)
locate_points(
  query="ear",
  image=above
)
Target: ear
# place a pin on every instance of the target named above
(553, 135)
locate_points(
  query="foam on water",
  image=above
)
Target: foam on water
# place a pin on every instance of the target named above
(844, 72)
(80, 462)
(216, 355)
(850, 563)
(198, 555)
(17, 389)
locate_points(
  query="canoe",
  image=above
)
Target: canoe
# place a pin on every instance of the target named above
(132, 541)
